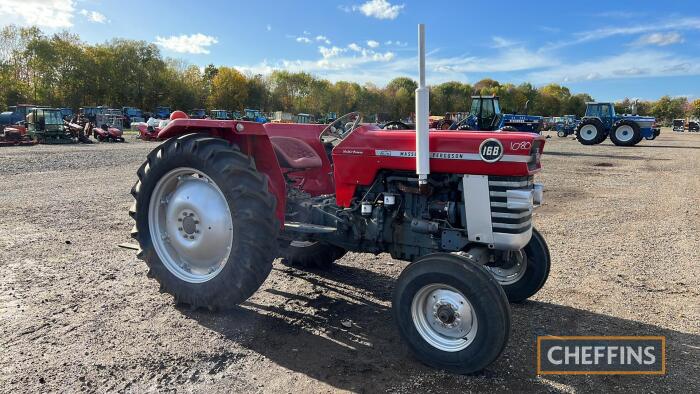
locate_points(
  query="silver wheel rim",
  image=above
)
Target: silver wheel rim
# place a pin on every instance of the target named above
(624, 133)
(588, 132)
(190, 225)
(509, 275)
(444, 317)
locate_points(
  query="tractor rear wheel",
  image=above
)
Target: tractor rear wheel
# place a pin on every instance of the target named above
(527, 273)
(590, 131)
(625, 133)
(205, 221)
(451, 312)
(309, 254)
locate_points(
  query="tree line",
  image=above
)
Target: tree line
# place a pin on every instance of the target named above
(60, 70)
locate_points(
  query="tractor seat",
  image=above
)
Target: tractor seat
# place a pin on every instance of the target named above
(295, 153)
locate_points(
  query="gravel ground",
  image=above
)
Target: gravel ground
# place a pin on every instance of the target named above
(78, 313)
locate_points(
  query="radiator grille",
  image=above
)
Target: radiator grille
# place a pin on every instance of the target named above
(504, 220)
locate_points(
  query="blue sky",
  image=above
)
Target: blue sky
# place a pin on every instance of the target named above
(610, 49)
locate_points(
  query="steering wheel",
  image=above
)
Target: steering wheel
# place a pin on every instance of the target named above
(340, 128)
(396, 125)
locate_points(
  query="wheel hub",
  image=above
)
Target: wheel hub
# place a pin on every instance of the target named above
(190, 223)
(444, 317)
(512, 270)
(446, 314)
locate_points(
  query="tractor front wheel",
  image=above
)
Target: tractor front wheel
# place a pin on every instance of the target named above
(310, 254)
(205, 221)
(451, 312)
(527, 271)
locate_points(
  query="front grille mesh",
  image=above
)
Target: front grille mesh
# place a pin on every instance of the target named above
(504, 220)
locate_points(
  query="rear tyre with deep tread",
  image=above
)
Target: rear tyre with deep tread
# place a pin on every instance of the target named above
(590, 131)
(254, 226)
(451, 312)
(311, 255)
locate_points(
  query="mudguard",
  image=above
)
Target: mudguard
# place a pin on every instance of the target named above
(250, 137)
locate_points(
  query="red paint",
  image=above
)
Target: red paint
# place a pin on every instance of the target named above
(355, 161)
(352, 169)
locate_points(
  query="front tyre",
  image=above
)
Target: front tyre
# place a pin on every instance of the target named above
(205, 221)
(451, 312)
(527, 271)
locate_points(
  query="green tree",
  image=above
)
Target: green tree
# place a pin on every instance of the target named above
(695, 109)
(229, 90)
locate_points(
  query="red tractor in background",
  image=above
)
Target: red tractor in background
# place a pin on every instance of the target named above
(218, 201)
(15, 135)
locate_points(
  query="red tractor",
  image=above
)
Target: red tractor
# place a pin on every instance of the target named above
(218, 201)
(15, 135)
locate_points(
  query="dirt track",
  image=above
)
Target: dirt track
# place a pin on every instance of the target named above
(78, 313)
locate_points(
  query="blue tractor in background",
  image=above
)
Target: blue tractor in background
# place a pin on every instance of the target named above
(14, 114)
(624, 130)
(565, 125)
(485, 114)
(254, 115)
(161, 112)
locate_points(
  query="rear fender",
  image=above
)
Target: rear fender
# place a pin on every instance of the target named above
(252, 140)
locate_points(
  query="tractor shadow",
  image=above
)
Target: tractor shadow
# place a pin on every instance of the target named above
(598, 155)
(343, 334)
(667, 147)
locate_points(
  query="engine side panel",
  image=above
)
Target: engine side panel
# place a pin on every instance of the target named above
(368, 149)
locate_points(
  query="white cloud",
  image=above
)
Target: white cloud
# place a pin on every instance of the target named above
(330, 52)
(372, 44)
(687, 23)
(303, 40)
(500, 42)
(93, 16)
(660, 39)
(323, 39)
(196, 43)
(355, 47)
(646, 64)
(53, 14)
(380, 9)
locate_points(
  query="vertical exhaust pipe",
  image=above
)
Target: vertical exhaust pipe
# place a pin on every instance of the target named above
(422, 113)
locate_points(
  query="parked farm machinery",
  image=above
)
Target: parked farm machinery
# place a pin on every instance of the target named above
(565, 125)
(15, 135)
(601, 121)
(220, 114)
(109, 127)
(161, 112)
(198, 113)
(15, 114)
(681, 125)
(217, 202)
(254, 115)
(131, 115)
(47, 126)
(485, 114)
